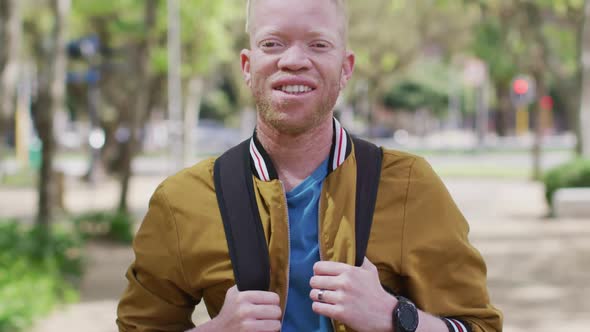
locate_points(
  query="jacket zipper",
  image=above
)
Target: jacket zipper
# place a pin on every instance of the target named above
(320, 242)
(288, 252)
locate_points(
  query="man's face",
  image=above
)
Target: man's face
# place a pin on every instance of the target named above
(298, 63)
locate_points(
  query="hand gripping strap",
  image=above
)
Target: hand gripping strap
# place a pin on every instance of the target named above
(248, 250)
(368, 172)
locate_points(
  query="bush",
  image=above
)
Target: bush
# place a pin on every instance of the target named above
(573, 174)
(35, 277)
(38, 272)
(117, 226)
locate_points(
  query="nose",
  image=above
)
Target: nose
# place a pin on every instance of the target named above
(294, 59)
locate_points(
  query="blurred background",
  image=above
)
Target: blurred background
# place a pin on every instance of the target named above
(101, 100)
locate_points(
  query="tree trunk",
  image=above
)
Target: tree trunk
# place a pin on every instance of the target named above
(55, 91)
(141, 101)
(585, 92)
(10, 37)
(482, 115)
(538, 127)
(175, 87)
(539, 61)
(504, 110)
(191, 117)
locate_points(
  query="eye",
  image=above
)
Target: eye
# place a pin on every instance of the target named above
(321, 45)
(269, 44)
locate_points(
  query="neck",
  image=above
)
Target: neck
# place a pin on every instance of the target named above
(295, 157)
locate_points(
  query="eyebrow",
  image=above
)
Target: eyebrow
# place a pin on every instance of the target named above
(315, 33)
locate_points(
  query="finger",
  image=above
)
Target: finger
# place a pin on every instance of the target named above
(265, 312)
(328, 268)
(325, 282)
(329, 310)
(267, 325)
(330, 297)
(260, 297)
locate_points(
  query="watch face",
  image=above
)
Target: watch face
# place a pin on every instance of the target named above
(408, 317)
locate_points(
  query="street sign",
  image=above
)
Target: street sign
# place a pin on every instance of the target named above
(475, 72)
(522, 91)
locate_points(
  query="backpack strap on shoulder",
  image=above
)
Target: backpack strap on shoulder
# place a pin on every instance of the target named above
(244, 233)
(234, 187)
(368, 172)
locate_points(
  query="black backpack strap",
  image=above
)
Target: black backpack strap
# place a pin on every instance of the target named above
(368, 172)
(248, 250)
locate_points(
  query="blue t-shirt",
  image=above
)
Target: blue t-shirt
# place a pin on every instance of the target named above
(303, 203)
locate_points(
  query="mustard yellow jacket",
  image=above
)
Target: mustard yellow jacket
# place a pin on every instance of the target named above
(418, 242)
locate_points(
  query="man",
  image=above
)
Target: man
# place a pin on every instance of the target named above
(304, 170)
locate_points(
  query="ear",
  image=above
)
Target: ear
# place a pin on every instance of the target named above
(347, 69)
(245, 62)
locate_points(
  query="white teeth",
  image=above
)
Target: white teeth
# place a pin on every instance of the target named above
(295, 88)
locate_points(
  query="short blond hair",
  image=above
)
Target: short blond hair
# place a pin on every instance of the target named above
(341, 4)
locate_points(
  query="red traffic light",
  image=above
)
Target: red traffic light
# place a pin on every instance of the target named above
(520, 86)
(522, 91)
(546, 102)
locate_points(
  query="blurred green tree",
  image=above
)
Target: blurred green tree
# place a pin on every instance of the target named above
(10, 39)
(410, 95)
(53, 67)
(536, 38)
(131, 39)
(530, 37)
(585, 86)
(388, 37)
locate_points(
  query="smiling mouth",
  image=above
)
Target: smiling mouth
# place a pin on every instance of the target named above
(294, 89)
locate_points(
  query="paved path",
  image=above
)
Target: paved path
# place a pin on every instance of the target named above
(538, 268)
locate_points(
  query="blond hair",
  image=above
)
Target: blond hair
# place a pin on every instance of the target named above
(340, 4)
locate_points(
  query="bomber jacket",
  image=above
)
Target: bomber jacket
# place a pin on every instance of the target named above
(418, 241)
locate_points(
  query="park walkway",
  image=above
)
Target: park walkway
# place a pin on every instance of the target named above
(538, 268)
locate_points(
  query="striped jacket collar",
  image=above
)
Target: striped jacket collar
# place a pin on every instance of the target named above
(263, 168)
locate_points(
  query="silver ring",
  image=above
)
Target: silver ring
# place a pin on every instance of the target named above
(321, 295)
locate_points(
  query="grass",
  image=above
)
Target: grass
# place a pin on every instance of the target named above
(23, 178)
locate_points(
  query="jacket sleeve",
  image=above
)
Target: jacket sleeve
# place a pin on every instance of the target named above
(446, 275)
(157, 297)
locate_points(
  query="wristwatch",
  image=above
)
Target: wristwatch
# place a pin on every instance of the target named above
(405, 316)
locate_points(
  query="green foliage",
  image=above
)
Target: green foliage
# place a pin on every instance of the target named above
(515, 37)
(114, 226)
(489, 37)
(206, 39)
(425, 85)
(34, 277)
(388, 36)
(216, 106)
(38, 272)
(411, 96)
(573, 174)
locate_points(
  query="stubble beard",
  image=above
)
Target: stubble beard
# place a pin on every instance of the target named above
(271, 115)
